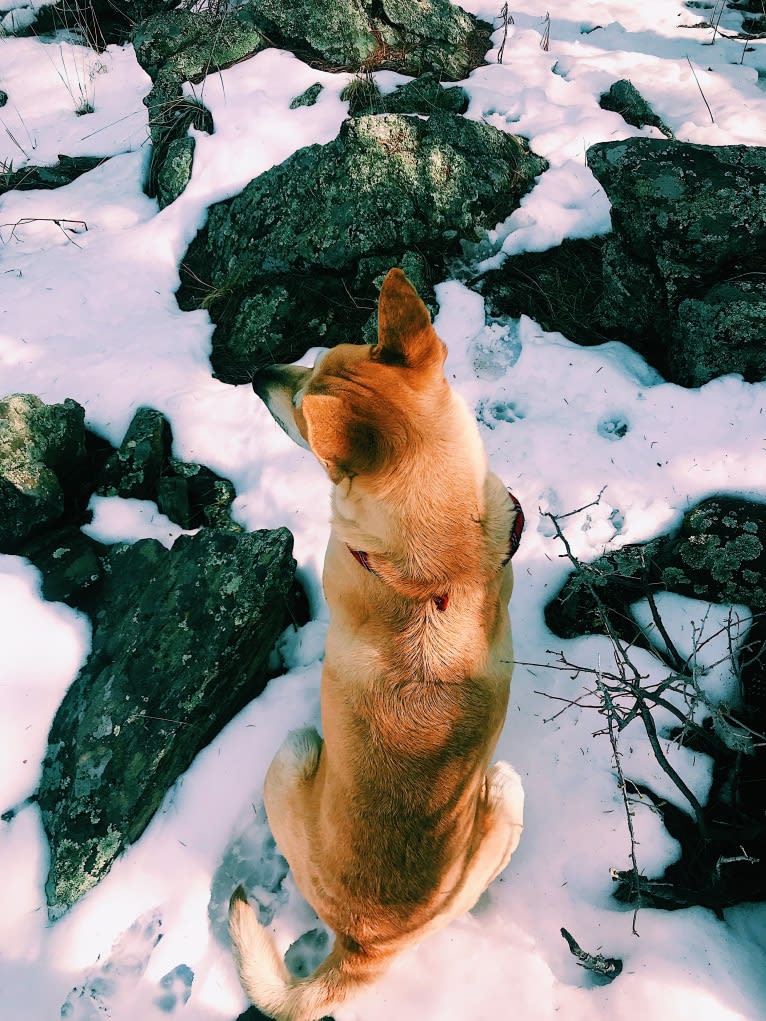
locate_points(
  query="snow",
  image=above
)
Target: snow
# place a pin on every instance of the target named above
(87, 281)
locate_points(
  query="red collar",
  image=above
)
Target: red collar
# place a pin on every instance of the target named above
(441, 602)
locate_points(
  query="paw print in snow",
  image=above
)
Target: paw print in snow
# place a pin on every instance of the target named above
(613, 428)
(122, 970)
(490, 413)
(617, 519)
(307, 952)
(254, 861)
(176, 988)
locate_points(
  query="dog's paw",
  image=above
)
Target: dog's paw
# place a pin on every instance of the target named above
(298, 755)
(123, 968)
(506, 792)
(253, 861)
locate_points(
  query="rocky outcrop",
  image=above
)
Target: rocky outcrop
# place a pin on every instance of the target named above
(182, 638)
(181, 45)
(683, 271)
(718, 554)
(625, 99)
(681, 278)
(293, 260)
(181, 643)
(50, 465)
(349, 34)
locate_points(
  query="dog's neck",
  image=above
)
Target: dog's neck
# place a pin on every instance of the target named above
(442, 521)
(441, 601)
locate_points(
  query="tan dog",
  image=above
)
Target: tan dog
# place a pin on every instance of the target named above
(393, 825)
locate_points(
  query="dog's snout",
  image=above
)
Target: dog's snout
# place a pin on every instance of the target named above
(266, 378)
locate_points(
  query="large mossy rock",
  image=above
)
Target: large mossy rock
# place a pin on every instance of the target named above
(42, 453)
(181, 643)
(293, 260)
(684, 270)
(349, 34)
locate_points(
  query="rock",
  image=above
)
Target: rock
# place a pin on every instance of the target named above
(559, 288)
(181, 643)
(423, 95)
(174, 171)
(349, 34)
(66, 170)
(100, 23)
(181, 45)
(173, 47)
(689, 228)
(625, 99)
(730, 318)
(134, 470)
(293, 260)
(50, 465)
(71, 565)
(193, 496)
(143, 468)
(308, 97)
(719, 555)
(41, 445)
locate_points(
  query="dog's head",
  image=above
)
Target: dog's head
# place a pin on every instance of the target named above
(358, 403)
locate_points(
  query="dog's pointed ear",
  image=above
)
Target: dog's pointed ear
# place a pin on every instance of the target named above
(345, 445)
(405, 334)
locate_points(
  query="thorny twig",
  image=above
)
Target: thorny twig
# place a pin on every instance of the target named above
(632, 681)
(610, 718)
(66, 226)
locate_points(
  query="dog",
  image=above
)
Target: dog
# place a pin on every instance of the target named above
(393, 822)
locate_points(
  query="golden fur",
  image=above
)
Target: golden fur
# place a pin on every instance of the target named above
(393, 824)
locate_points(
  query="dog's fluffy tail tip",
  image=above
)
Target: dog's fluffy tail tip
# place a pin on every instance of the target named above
(238, 897)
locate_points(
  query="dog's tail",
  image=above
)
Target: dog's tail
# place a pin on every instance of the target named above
(269, 984)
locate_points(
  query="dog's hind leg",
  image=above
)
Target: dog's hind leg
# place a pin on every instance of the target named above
(287, 795)
(505, 797)
(503, 824)
(297, 757)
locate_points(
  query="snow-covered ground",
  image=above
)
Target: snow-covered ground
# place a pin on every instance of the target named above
(90, 314)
